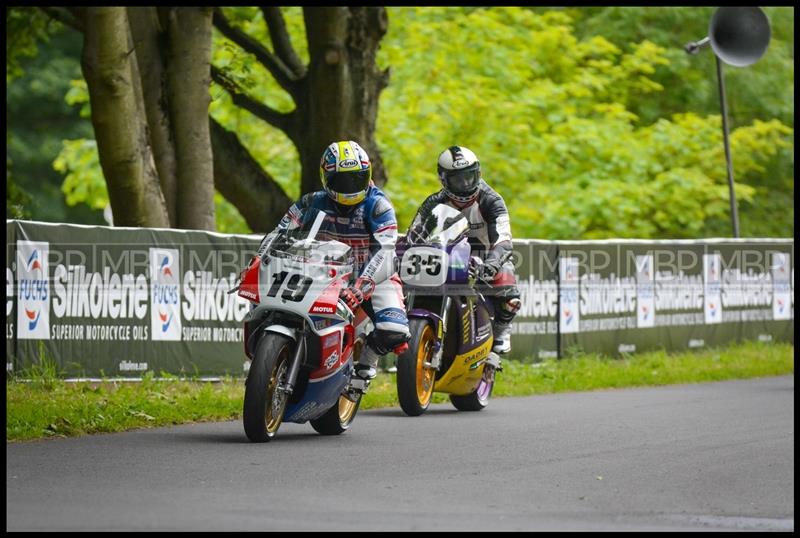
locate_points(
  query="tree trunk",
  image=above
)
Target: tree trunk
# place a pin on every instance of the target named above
(120, 128)
(242, 181)
(189, 78)
(149, 40)
(339, 95)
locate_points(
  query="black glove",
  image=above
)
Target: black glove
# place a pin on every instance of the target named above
(483, 270)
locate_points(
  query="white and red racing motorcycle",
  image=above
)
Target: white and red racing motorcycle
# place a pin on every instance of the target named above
(301, 339)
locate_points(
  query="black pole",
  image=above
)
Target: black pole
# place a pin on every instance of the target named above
(724, 106)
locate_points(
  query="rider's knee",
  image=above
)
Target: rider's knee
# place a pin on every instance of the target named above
(382, 341)
(506, 308)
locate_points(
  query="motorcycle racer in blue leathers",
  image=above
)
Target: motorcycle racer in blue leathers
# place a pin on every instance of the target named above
(365, 220)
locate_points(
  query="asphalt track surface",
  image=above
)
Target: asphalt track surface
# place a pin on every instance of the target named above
(713, 456)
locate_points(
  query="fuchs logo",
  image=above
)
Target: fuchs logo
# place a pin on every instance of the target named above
(9, 291)
(569, 295)
(165, 267)
(712, 289)
(780, 261)
(33, 265)
(33, 317)
(645, 292)
(165, 317)
(782, 284)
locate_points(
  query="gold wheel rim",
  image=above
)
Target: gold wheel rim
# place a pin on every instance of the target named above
(425, 376)
(347, 409)
(276, 400)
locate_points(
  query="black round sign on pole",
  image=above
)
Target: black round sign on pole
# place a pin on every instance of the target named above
(739, 35)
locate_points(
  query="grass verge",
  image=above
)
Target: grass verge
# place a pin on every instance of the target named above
(47, 407)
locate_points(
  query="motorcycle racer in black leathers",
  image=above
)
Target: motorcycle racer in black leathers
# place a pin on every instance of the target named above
(490, 232)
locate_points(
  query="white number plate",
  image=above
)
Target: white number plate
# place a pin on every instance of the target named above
(424, 266)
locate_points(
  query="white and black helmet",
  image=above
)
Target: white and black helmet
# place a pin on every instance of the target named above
(460, 173)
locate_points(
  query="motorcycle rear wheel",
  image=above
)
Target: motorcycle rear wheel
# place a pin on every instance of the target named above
(479, 398)
(264, 405)
(414, 381)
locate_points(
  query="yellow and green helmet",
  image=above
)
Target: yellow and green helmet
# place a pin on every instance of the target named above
(345, 172)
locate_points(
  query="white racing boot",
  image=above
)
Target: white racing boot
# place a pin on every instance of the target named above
(366, 369)
(502, 337)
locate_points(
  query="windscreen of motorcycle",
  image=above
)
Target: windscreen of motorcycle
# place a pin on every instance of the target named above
(445, 225)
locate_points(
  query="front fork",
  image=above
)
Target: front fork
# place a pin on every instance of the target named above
(297, 359)
(436, 361)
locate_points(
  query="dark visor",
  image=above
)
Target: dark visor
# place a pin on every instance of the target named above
(462, 181)
(348, 182)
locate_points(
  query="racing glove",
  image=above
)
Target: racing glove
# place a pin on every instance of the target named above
(483, 270)
(360, 291)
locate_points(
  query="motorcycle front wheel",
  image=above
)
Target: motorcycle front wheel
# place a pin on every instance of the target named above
(479, 398)
(339, 417)
(263, 403)
(415, 381)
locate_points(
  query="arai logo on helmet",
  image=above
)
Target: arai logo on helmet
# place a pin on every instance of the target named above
(348, 163)
(460, 163)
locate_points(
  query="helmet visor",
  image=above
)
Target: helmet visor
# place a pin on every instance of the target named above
(348, 182)
(462, 181)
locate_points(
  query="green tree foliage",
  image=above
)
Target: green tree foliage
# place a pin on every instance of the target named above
(271, 148)
(762, 91)
(38, 120)
(25, 28)
(550, 115)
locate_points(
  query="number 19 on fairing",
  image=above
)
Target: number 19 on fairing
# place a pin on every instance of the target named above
(296, 287)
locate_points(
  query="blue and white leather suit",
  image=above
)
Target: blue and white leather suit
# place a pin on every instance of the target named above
(370, 229)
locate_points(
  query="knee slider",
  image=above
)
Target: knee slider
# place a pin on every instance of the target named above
(508, 308)
(511, 305)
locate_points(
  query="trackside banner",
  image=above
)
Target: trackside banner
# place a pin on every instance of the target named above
(120, 302)
(534, 334)
(123, 301)
(627, 296)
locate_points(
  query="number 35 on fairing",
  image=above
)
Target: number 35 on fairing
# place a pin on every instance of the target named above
(424, 266)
